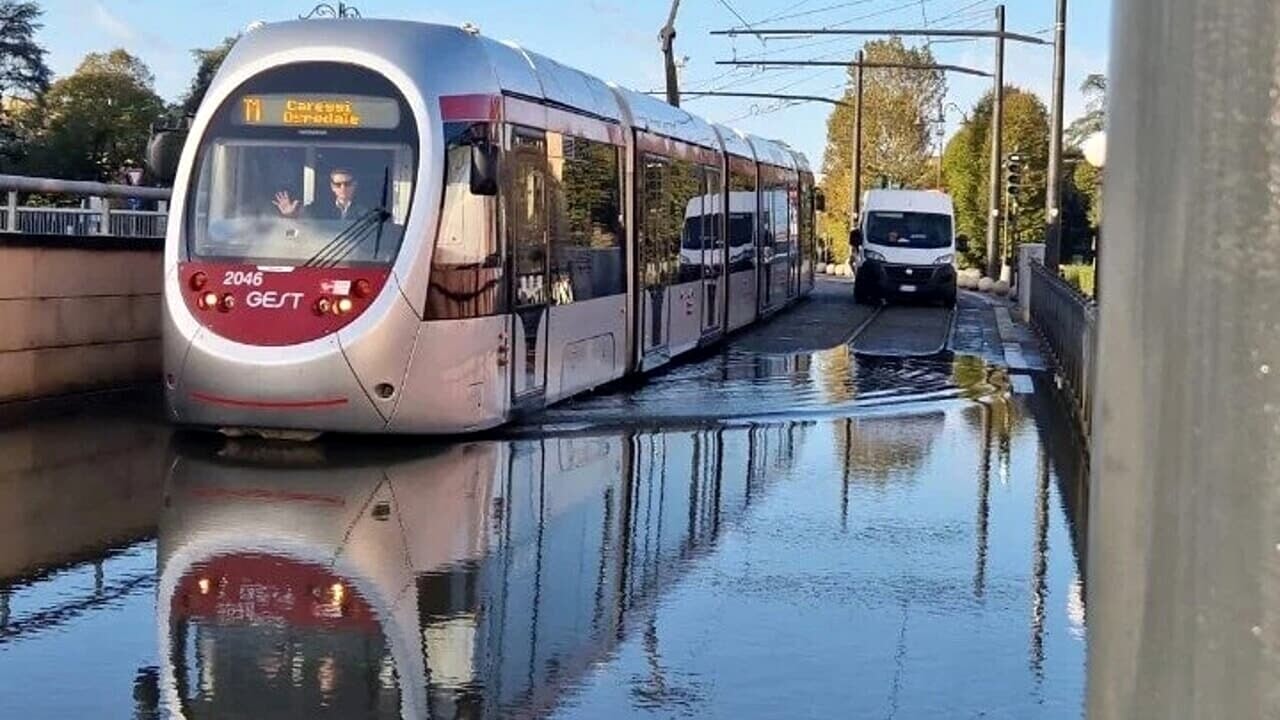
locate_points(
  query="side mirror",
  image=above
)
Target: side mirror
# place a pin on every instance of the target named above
(164, 150)
(855, 238)
(962, 243)
(484, 169)
(819, 201)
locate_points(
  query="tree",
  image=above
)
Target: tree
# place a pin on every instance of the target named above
(967, 161)
(897, 108)
(94, 121)
(208, 60)
(1094, 119)
(1086, 180)
(23, 72)
(22, 66)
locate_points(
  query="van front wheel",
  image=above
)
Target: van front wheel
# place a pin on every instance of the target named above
(863, 291)
(949, 296)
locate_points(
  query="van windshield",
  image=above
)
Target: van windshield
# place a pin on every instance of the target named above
(908, 229)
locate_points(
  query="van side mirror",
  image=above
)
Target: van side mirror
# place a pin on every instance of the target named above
(484, 168)
(164, 150)
(819, 201)
(855, 238)
(962, 243)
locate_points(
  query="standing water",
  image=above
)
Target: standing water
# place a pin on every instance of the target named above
(752, 535)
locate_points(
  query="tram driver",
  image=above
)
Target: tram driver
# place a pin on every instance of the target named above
(343, 184)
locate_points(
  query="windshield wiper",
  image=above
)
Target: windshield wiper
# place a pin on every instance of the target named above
(348, 240)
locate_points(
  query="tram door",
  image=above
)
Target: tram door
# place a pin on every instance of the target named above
(525, 223)
(713, 249)
(796, 244)
(765, 237)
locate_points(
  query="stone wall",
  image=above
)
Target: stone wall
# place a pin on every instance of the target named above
(77, 314)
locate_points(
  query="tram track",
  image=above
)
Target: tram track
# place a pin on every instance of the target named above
(905, 331)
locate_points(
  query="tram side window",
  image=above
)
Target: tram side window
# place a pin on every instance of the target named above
(588, 258)
(742, 219)
(779, 219)
(467, 266)
(671, 244)
(713, 208)
(523, 197)
(664, 223)
(793, 212)
(806, 219)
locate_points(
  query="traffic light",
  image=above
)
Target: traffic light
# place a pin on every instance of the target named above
(1013, 175)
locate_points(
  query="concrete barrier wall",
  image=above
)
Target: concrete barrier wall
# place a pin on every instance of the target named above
(77, 314)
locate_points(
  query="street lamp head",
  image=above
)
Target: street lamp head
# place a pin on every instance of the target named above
(1095, 149)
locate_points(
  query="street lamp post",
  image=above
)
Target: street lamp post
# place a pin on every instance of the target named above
(1053, 193)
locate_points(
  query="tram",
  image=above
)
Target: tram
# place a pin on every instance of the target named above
(397, 227)
(477, 579)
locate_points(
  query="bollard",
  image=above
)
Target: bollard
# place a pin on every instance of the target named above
(1184, 520)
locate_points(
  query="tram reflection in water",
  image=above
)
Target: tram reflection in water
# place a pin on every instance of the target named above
(474, 580)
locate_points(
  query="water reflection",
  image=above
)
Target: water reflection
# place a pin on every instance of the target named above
(909, 558)
(474, 580)
(744, 384)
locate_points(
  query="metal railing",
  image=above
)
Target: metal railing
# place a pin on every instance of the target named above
(98, 219)
(1068, 321)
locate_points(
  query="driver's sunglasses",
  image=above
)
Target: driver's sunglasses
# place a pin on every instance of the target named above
(342, 183)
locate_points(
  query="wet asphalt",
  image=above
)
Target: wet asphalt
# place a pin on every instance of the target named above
(844, 512)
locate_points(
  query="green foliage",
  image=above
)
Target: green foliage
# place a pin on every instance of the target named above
(1081, 277)
(898, 107)
(208, 60)
(94, 121)
(1088, 179)
(966, 164)
(23, 72)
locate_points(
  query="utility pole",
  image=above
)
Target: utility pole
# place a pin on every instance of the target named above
(942, 135)
(856, 205)
(1053, 193)
(997, 129)
(668, 35)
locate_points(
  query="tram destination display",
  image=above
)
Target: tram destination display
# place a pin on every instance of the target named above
(318, 111)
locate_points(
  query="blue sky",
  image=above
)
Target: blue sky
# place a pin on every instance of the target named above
(617, 40)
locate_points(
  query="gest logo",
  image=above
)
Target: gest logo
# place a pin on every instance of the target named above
(272, 300)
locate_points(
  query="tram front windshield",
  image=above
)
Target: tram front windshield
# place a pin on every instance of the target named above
(307, 165)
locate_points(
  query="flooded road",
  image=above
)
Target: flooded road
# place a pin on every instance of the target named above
(753, 534)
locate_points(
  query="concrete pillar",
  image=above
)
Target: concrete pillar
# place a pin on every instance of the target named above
(1184, 528)
(104, 223)
(11, 212)
(1027, 252)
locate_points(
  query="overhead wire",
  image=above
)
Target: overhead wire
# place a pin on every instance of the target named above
(958, 15)
(743, 20)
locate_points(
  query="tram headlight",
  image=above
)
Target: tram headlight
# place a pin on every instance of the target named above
(198, 281)
(362, 288)
(323, 305)
(227, 302)
(344, 305)
(208, 300)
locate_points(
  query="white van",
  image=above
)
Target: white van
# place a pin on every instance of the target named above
(906, 247)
